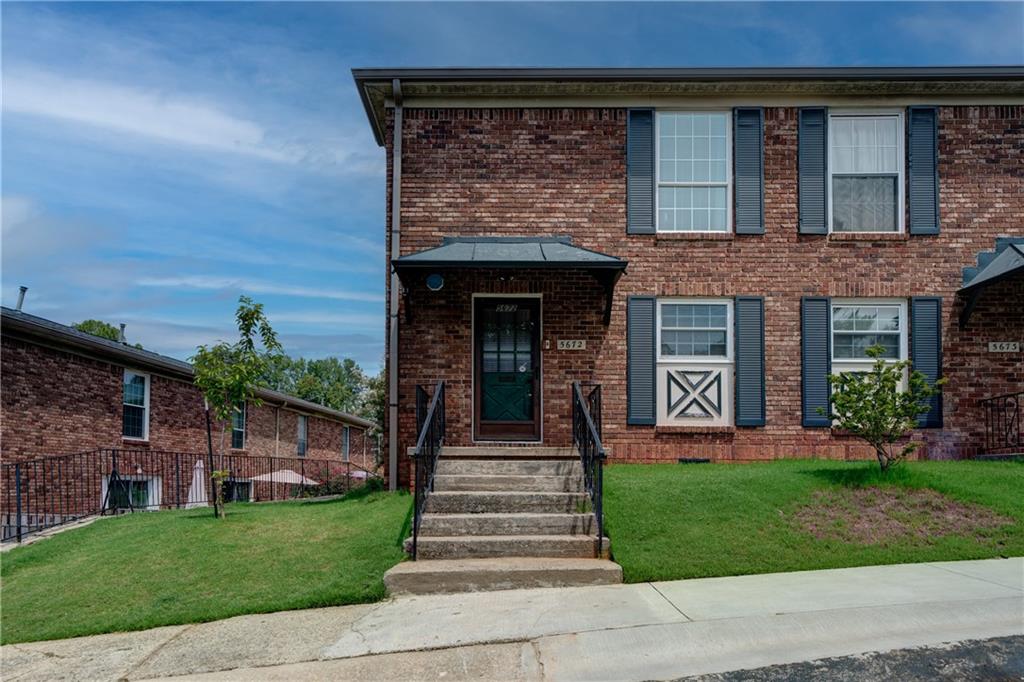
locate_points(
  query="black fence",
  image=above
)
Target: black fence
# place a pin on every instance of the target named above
(51, 491)
(1002, 423)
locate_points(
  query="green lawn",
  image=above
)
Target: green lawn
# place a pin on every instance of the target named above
(674, 521)
(143, 570)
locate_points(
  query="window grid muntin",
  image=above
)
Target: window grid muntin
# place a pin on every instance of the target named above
(896, 171)
(723, 327)
(238, 427)
(303, 430)
(135, 405)
(703, 217)
(867, 330)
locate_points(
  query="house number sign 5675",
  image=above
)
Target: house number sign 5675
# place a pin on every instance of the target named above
(572, 344)
(1004, 346)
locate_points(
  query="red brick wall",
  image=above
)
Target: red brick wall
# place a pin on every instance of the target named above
(562, 171)
(56, 402)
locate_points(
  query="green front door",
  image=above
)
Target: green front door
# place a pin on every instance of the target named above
(507, 400)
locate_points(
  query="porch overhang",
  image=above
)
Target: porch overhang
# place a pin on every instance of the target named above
(1007, 262)
(512, 253)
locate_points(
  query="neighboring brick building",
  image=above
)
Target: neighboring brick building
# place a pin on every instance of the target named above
(774, 222)
(65, 391)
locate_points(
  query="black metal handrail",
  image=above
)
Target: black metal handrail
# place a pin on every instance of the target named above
(586, 437)
(46, 492)
(430, 425)
(1002, 423)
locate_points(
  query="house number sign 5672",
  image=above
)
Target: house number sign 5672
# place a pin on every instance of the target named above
(1004, 346)
(572, 344)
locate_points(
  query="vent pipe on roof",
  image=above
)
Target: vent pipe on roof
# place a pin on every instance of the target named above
(120, 336)
(21, 297)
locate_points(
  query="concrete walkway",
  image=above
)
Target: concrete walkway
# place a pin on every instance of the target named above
(614, 632)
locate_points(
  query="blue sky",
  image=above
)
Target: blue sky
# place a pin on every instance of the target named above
(159, 159)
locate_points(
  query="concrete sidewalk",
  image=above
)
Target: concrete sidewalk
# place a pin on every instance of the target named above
(615, 632)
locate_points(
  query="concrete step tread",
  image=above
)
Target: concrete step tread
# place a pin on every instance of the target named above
(506, 493)
(525, 516)
(503, 475)
(508, 564)
(506, 452)
(437, 576)
(563, 537)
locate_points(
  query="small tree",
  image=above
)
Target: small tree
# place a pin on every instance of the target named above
(872, 406)
(228, 374)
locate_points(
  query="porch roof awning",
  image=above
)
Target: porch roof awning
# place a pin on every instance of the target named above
(1007, 261)
(508, 252)
(514, 253)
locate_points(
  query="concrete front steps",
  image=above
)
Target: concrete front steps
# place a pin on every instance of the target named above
(504, 518)
(509, 573)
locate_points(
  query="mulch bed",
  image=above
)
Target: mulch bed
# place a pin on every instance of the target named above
(888, 514)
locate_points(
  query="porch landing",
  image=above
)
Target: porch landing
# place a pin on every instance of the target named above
(504, 518)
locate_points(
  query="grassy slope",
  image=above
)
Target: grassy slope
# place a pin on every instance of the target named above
(683, 521)
(143, 570)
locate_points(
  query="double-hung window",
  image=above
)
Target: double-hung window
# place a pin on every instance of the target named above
(859, 325)
(346, 443)
(866, 172)
(301, 435)
(694, 171)
(238, 427)
(135, 409)
(694, 362)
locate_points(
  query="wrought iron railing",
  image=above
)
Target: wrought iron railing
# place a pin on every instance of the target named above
(43, 493)
(430, 425)
(1002, 423)
(586, 437)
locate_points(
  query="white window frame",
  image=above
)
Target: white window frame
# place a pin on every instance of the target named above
(154, 489)
(346, 443)
(904, 345)
(145, 406)
(901, 150)
(729, 174)
(703, 359)
(247, 482)
(244, 411)
(302, 428)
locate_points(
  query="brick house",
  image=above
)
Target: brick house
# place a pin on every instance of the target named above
(65, 391)
(705, 244)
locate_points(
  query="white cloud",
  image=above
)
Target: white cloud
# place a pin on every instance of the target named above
(148, 113)
(213, 283)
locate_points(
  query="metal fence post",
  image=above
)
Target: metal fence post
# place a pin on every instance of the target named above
(17, 497)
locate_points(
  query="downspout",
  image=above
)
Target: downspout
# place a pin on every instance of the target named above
(396, 203)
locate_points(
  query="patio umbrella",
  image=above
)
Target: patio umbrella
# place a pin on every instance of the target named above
(286, 476)
(197, 491)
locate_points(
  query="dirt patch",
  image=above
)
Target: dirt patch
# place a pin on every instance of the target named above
(882, 515)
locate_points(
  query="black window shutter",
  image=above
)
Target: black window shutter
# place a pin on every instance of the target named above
(923, 169)
(640, 380)
(815, 359)
(748, 164)
(640, 171)
(926, 351)
(748, 316)
(812, 167)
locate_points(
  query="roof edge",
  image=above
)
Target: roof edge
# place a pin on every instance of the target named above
(117, 353)
(386, 76)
